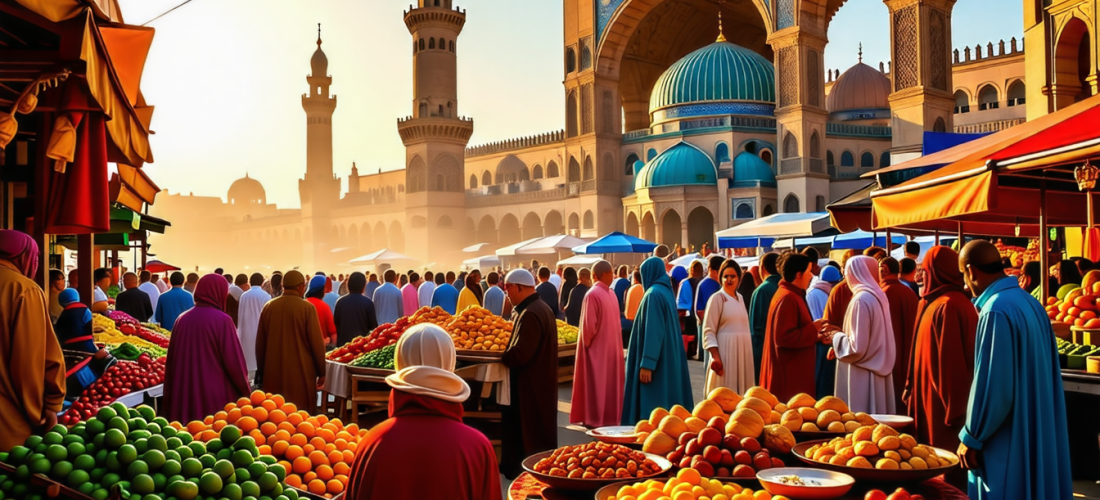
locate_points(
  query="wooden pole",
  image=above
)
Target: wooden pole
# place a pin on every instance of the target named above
(937, 237)
(85, 267)
(1044, 254)
(961, 236)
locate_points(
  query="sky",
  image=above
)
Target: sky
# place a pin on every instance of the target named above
(226, 78)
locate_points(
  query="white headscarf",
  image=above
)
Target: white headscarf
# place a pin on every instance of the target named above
(425, 363)
(861, 272)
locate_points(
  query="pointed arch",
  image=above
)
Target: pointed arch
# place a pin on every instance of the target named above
(416, 177)
(700, 227)
(815, 145)
(649, 227)
(509, 231)
(629, 170)
(589, 220)
(589, 170)
(574, 174)
(536, 173)
(486, 178)
(671, 229)
(552, 223)
(397, 237)
(790, 146)
(381, 236)
(633, 227)
(571, 114)
(447, 173)
(473, 181)
(552, 170)
(487, 230)
(791, 205)
(532, 226)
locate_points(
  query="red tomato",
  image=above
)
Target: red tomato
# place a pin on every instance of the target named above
(899, 494)
(874, 495)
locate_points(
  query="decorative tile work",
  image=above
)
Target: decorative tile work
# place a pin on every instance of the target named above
(785, 14)
(604, 10)
(938, 29)
(788, 76)
(813, 74)
(718, 108)
(905, 48)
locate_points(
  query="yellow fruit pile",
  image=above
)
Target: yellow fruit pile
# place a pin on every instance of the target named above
(113, 337)
(878, 447)
(830, 413)
(434, 315)
(688, 485)
(567, 334)
(101, 323)
(477, 329)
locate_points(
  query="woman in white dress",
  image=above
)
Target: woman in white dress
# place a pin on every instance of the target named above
(727, 335)
(865, 349)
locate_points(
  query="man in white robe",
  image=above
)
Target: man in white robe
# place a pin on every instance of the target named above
(149, 288)
(424, 293)
(865, 349)
(248, 319)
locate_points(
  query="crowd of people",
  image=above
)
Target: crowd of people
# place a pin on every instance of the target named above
(888, 336)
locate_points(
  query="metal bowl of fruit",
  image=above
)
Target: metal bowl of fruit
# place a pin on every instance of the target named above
(802, 483)
(618, 434)
(554, 467)
(946, 461)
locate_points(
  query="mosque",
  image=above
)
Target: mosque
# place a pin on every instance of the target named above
(683, 117)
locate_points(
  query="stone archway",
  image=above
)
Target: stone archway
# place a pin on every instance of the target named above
(552, 223)
(701, 228)
(509, 232)
(366, 242)
(487, 231)
(532, 226)
(574, 223)
(1072, 55)
(381, 236)
(397, 237)
(632, 225)
(671, 229)
(649, 227)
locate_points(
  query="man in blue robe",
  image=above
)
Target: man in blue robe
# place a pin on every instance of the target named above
(621, 285)
(1015, 442)
(656, 368)
(173, 303)
(707, 288)
(388, 301)
(445, 295)
(494, 296)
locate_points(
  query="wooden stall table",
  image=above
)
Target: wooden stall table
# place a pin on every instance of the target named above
(567, 361)
(1082, 393)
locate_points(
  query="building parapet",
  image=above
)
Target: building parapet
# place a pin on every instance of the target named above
(988, 127)
(516, 143)
(1014, 49)
(850, 130)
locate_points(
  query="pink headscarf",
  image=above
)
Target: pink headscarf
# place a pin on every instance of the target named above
(211, 292)
(21, 250)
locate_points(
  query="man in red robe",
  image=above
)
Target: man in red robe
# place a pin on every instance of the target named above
(941, 367)
(903, 316)
(790, 341)
(425, 428)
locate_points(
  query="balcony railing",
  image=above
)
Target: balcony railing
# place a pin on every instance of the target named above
(790, 166)
(847, 129)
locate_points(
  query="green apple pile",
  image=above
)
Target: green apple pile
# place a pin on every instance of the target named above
(136, 453)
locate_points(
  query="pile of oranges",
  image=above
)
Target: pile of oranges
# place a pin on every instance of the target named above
(316, 452)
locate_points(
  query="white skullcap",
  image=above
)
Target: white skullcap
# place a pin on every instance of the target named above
(521, 277)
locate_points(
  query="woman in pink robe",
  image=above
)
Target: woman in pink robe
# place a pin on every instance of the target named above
(205, 368)
(410, 301)
(599, 372)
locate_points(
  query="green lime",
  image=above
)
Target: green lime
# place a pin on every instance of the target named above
(143, 483)
(137, 468)
(139, 434)
(198, 449)
(142, 444)
(19, 453)
(161, 421)
(155, 459)
(40, 466)
(215, 445)
(277, 490)
(157, 442)
(152, 497)
(185, 490)
(224, 454)
(279, 472)
(159, 480)
(101, 457)
(268, 459)
(94, 426)
(115, 438)
(168, 431)
(171, 481)
(171, 467)
(52, 438)
(267, 481)
(89, 449)
(56, 453)
(230, 434)
(61, 470)
(247, 443)
(210, 483)
(105, 414)
(241, 474)
(23, 471)
(84, 462)
(75, 449)
(112, 462)
(177, 455)
(6, 484)
(185, 437)
(120, 424)
(137, 423)
(78, 477)
(208, 461)
(127, 454)
(232, 492)
(173, 443)
(256, 469)
(153, 428)
(191, 467)
(147, 413)
(97, 474)
(132, 412)
(59, 429)
(100, 494)
(32, 441)
(19, 490)
(100, 440)
(86, 488)
(73, 437)
(290, 493)
(250, 489)
(223, 468)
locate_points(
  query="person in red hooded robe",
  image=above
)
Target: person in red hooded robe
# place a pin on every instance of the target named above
(205, 367)
(903, 315)
(941, 366)
(790, 342)
(425, 428)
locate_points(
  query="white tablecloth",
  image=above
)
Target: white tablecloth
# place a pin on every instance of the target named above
(337, 381)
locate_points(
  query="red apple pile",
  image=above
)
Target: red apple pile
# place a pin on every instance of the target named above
(119, 380)
(716, 454)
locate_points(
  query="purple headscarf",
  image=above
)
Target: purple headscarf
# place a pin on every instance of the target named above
(21, 250)
(211, 292)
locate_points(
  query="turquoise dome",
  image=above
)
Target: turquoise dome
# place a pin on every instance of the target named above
(750, 170)
(680, 165)
(721, 72)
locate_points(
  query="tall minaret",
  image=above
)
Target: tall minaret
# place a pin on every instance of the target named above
(320, 189)
(435, 136)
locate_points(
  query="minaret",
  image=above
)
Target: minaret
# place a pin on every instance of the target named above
(435, 136)
(320, 189)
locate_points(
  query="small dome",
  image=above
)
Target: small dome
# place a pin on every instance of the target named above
(719, 72)
(247, 190)
(680, 165)
(750, 170)
(860, 88)
(319, 62)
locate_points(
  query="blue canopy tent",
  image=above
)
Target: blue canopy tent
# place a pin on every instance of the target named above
(860, 239)
(616, 242)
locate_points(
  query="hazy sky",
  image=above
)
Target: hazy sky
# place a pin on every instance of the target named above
(226, 78)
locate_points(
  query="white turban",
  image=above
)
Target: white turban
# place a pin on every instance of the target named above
(425, 363)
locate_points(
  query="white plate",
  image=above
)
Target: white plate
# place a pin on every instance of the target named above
(820, 484)
(895, 421)
(614, 434)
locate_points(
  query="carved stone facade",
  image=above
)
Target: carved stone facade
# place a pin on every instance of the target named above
(905, 64)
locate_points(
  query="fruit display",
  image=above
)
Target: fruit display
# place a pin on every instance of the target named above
(143, 457)
(478, 329)
(567, 334)
(434, 315)
(1077, 307)
(597, 460)
(384, 335)
(1074, 356)
(121, 327)
(156, 329)
(379, 358)
(120, 318)
(898, 494)
(687, 485)
(131, 349)
(829, 414)
(1019, 255)
(113, 338)
(315, 452)
(877, 447)
(119, 380)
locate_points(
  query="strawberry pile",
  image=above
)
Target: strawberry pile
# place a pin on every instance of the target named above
(127, 325)
(382, 336)
(119, 380)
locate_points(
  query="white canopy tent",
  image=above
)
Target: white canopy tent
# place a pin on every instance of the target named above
(476, 247)
(581, 260)
(485, 261)
(550, 244)
(781, 226)
(510, 250)
(383, 256)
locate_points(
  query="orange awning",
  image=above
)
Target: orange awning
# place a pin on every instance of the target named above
(989, 185)
(139, 185)
(60, 10)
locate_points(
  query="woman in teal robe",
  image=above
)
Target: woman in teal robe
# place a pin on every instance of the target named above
(657, 346)
(1017, 411)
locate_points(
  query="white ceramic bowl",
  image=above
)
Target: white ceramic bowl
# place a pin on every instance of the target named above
(818, 484)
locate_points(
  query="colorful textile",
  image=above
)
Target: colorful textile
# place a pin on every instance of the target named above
(598, 377)
(790, 342)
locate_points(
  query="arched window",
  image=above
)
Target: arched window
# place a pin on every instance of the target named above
(791, 205)
(552, 170)
(651, 154)
(442, 43)
(630, 159)
(815, 145)
(486, 179)
(570, 60)
(721, 152)
(867, 160)
(423, 108)
(768, 210)
(571, 114)
(421, 44)
(830, 160)
(819, 203)
(766, 155)
(451, 45)
(589, 220)
(445, 221)
(431, 43)
(744, 211)
(586, 58)
(987, 98)
(574, 174)
(589, 171)
(1017, 93)
(939, 126)
(885, 161)
(847, 159)
(536, 172)
(473, 181)
(790, 146)
(962, 102)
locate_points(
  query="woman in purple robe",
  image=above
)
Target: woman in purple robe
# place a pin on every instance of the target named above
(206, 367)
